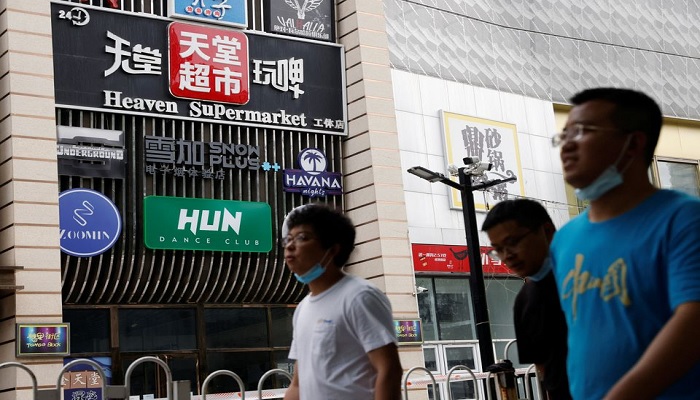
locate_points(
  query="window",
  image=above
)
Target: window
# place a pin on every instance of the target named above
(89, 330)
(236, 327)
(157, 329)
(680, 175)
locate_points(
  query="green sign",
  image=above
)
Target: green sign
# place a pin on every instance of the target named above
(180, 223)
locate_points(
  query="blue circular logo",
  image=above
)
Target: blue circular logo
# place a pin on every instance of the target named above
(89, 222)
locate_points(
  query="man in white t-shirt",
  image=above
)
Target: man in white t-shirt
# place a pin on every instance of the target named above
(343, 342)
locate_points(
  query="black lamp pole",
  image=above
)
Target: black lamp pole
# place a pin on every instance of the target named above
(476, 274)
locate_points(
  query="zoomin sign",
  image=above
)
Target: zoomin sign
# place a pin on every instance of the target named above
(178, 223)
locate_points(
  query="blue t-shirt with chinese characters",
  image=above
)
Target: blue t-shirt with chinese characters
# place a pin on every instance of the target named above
(619, 282)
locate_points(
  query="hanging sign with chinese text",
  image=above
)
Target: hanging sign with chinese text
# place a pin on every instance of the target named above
(452, 258)
(491, 141)
(135, 64)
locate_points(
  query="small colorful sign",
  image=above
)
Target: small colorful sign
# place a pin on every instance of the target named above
(453, 258)
(224, 12)
(312, 19)
(208, 63)
(89, 222)
(83, 382)
(408, 331)
(180, 223)
(43, 339)
(312, 179)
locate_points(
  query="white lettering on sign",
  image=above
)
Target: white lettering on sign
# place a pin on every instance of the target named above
(194, 221)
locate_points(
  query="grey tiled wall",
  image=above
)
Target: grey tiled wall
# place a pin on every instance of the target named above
(550, 49)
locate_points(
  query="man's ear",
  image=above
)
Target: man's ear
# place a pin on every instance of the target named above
(638, 144)
(549, 230)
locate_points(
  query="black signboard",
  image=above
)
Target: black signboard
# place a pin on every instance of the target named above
(117, 62)
(313, 19)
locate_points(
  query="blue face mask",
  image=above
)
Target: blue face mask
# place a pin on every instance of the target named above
(608, 180)
(312, 274)
(315, 271)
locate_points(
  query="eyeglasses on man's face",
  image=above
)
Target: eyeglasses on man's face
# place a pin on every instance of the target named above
(299, 238)
(510, 246)
(576, 132)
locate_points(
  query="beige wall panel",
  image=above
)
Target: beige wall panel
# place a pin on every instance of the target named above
(394, 283)
(362, 214)
(357, 162)
(7, 237)
(390, 175)
(7, 308)
(355, 92)
(30, 43)
(32, 235)
(669, 144)
(32, 127)
(359, 198)
(355, 126)
(32, 85)
(40, 192)
(359, 179)
(382, 123)
(391, 265)
(8, 258)
(356, 143)
(37, 22)
(403, 304)
(374, 38)
(367, 231)
(689, 137)
(33, 63)
(386, 157)
(389, 192)
(375, 55)
(42, 258)
(395, 247)
(46, 373)
(36, 170)
(39, 281)
(38, 305)
(353, 56)
(5, 150)
(7, 216)
(43, 149)
(42, 214)
(34, 6)
(393, 229)
(367, 250)
(394, 211)
(33, 106)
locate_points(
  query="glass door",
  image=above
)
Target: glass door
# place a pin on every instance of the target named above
(148, 380)
(439, 358)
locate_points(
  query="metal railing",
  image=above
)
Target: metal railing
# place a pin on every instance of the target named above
(180, 390)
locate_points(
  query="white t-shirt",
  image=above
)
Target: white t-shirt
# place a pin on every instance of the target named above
(333, 332)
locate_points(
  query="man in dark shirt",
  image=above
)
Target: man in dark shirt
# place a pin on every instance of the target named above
(520, 232)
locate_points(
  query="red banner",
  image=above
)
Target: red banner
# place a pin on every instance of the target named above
(452, 258)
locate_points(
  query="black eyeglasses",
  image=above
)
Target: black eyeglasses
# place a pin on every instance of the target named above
(299, 238)
(510, 246)
(576, 132)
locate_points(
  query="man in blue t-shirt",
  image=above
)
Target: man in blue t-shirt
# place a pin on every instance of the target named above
(627, 268)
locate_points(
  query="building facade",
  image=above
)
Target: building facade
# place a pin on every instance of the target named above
(88, 109)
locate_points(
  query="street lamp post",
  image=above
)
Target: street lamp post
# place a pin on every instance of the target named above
(476, 275)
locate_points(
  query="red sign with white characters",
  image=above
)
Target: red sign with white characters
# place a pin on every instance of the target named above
(208, 63)
(449, 258)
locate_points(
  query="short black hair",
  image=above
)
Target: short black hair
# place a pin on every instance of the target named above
(330, 227)
(634, 111)
(527, 213)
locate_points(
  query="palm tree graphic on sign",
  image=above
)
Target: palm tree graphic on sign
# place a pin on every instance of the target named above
(312, 161)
